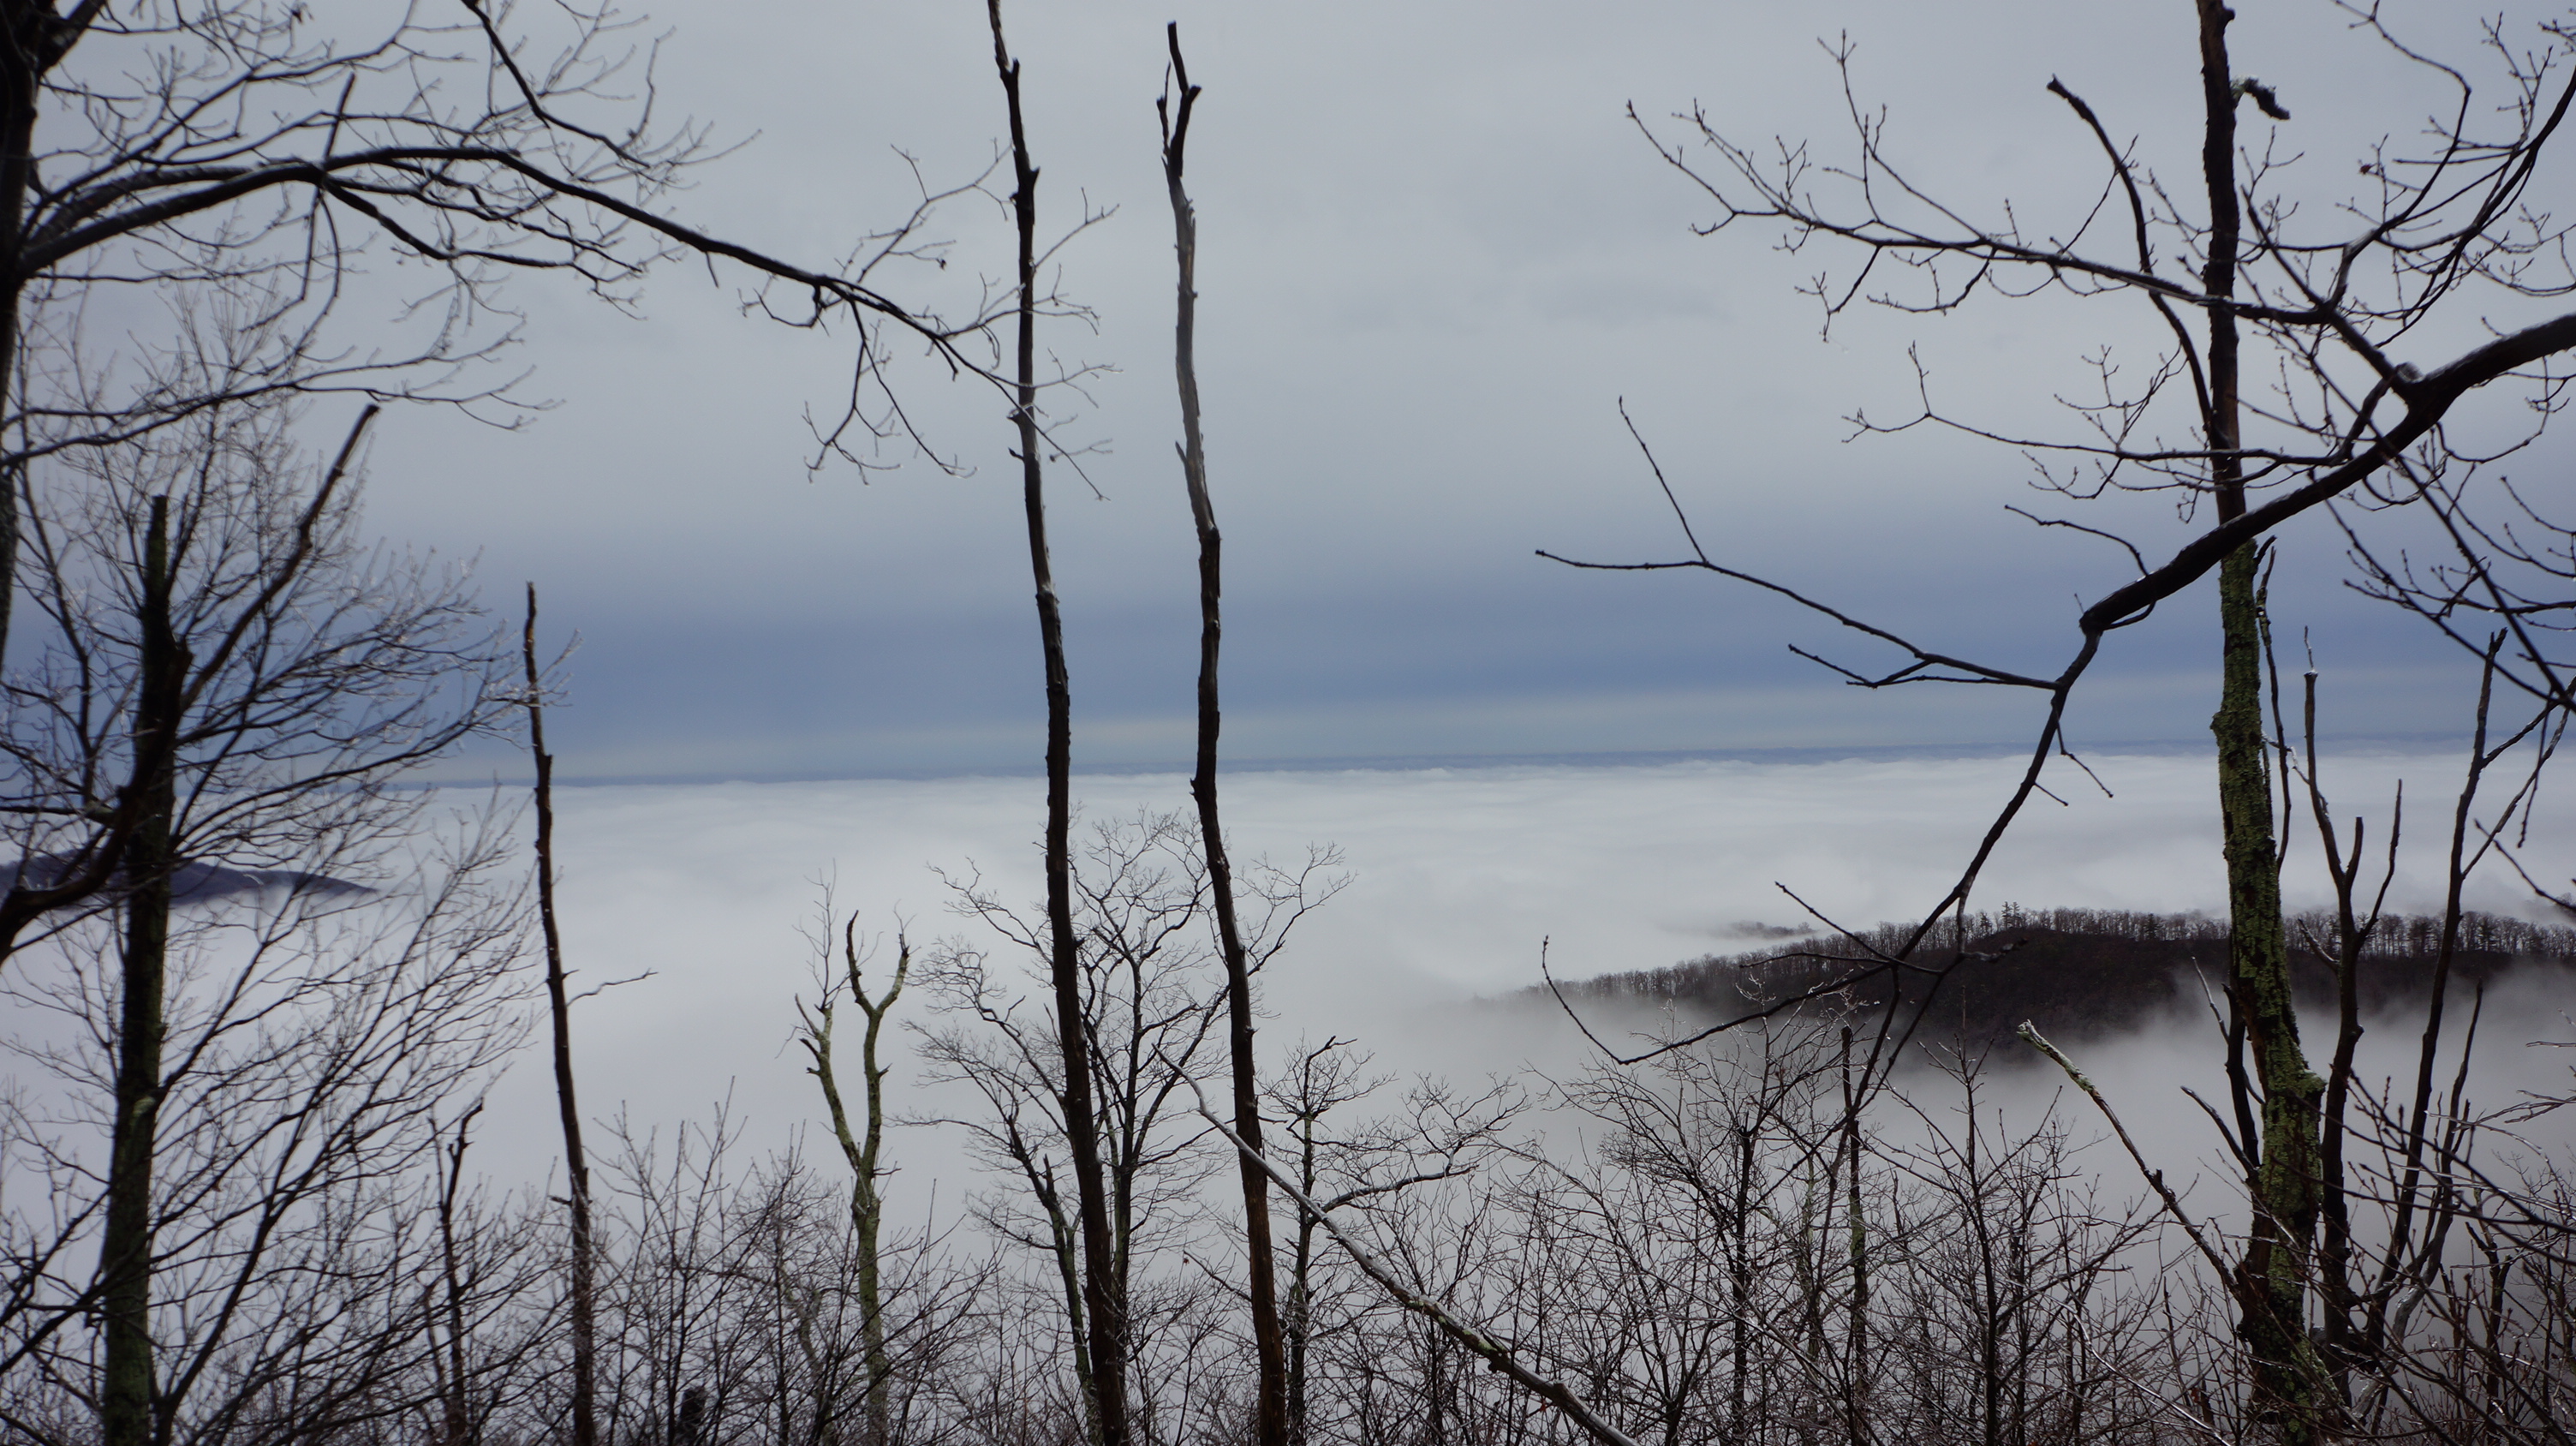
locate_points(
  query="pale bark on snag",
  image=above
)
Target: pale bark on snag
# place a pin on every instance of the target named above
(1107, 1326)
(863, 1149)
(1270, 1409)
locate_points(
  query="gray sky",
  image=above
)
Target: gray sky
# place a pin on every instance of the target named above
(1434, 255)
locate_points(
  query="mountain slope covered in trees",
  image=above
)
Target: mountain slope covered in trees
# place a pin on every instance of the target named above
(2079, 972)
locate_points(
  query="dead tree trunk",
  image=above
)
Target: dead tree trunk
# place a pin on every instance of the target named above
(1108, 1326)
(863, 1149)
(456, 1405)
(1270, 1415)
(585, 1347)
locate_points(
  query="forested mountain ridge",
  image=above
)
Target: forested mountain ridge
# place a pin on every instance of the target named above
(2075, 972)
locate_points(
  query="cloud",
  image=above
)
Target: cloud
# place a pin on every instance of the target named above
(1461, 874)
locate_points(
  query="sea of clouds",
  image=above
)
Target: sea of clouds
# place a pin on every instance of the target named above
(1458, 877)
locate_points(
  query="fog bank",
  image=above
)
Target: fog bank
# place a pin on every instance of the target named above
(1459, 876)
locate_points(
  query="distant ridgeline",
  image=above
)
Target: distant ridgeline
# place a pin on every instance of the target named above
(2077, 971)
(192, 881)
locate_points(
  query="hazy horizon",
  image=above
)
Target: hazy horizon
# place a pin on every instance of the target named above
(1459, 875)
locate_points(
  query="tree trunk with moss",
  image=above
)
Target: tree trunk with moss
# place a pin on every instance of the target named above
(2272, 1277)
(2271, 1283)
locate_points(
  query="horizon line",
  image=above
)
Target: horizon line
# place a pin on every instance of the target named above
(1428, 762)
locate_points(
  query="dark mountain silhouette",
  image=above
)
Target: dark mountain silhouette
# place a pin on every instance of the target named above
(194, 881)
(2078, 972)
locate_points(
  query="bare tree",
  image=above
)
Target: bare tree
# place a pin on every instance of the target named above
(231, 163)
(582, 1271)
(733, 1309)
(863, 1148)
(1147, 1014)
(1433, 1134)
(2328, 297)
(1103, 1310)
(1271, 1409)
(226, 666)
(316, 1045)
(249, 150)
(1426, 1288)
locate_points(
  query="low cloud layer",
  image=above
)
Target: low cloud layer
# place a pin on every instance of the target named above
(1460, 876)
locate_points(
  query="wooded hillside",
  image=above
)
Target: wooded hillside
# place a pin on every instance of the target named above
(2076, 972)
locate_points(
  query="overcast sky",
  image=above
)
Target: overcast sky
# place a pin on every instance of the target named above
(1435, 253)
